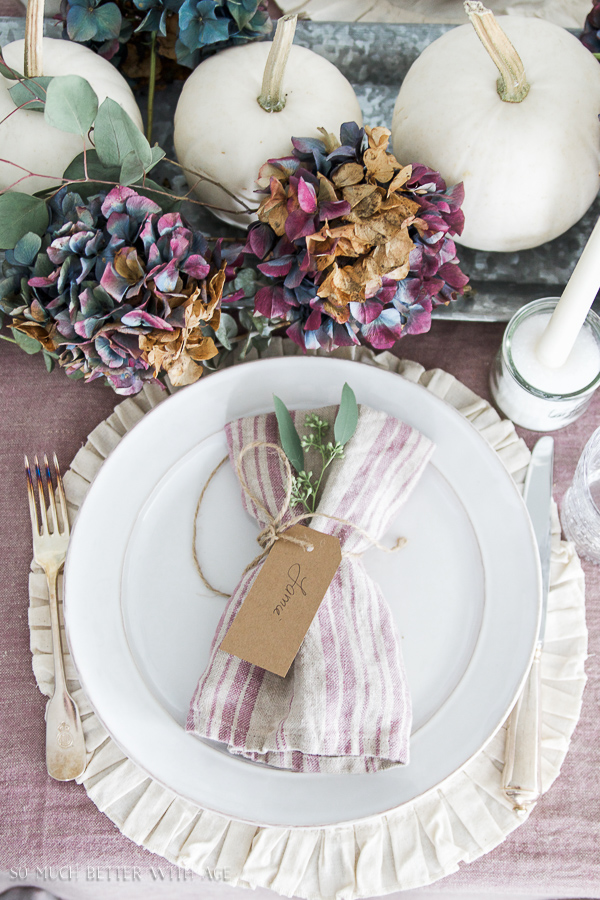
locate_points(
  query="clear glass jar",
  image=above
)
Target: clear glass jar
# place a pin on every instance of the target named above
(525, 404)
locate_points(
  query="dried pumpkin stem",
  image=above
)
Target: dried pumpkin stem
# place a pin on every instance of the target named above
(512, 85)
(271, 97)
(34, 36)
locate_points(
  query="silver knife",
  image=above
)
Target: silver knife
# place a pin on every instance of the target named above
(521, 779)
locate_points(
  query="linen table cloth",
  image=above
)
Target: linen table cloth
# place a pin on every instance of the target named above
(344, 706)
(554, 854)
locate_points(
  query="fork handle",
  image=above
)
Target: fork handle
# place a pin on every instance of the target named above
(65, 742)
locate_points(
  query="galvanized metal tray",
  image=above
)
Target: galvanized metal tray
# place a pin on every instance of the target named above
(375, 58)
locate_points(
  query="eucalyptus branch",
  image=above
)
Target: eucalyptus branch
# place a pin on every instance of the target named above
(62, 181)
(27, 82)
(10, 162)
(201, 177)
(15, 110)
(14, 184)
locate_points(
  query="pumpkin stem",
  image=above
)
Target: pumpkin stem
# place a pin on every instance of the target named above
(34, 36)
(271, 97)
(512, 85)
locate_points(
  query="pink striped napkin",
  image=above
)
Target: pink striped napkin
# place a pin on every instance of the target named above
(344, 706)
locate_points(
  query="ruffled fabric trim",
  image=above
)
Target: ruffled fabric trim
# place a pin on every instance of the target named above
(416, 844)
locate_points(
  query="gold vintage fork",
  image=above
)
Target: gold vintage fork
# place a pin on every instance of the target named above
(65, 742)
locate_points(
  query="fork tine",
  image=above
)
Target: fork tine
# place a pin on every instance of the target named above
(42, 499)
(55, 523)
(61, 496)
(35, 524)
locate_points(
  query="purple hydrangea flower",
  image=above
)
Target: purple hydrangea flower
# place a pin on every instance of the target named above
(119, 289)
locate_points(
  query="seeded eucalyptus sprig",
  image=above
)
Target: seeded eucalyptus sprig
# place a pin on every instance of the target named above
(305, 485)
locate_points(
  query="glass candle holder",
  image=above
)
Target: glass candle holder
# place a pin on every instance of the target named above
(580, 513)
(535, 396)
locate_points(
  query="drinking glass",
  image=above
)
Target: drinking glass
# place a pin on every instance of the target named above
(580, 515)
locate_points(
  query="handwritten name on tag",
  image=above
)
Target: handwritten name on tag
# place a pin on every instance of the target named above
(281, 604)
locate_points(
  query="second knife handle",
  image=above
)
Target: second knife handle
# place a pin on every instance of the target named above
(522, 776)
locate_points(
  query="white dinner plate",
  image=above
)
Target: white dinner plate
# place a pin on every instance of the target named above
(465, 591)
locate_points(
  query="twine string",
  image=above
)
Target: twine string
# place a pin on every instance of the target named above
(274, 529)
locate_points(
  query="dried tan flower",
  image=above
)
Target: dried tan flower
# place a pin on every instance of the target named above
(180, 352)
(372, 243)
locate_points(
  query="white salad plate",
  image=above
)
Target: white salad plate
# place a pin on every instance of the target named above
(465, 591)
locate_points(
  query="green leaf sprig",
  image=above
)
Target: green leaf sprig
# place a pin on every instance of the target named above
(306, 485)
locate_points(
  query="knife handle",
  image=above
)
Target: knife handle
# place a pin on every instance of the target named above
(521, 779)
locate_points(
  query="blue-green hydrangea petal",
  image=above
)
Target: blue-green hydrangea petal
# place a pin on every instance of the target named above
(81, 24)
(213, 32)
(108, 21)
(187, 14)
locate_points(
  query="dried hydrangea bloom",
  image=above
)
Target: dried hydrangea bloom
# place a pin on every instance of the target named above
(119, 290)
(355, 243)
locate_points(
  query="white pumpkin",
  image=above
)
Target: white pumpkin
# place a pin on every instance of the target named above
(222, 131)
(529, 168)
(26, 138)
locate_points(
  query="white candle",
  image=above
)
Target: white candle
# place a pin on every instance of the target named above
(580, 368)
(559, 338)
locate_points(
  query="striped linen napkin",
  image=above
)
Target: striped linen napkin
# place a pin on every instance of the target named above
(344, 706)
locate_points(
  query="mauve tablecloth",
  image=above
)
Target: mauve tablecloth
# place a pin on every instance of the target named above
(43, 823)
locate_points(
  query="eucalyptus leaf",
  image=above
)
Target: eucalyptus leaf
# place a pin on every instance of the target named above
(157, 154)
(19, 214)
(208, 331)
(96, 170)
(246, 348)
(6, 71)
(132, 169)
(347, 417)
(261, 343)
(49, 360)
(289, 437)
(9, 285)
(27, 248)
(227, 330)
(246, 319)
(71, 104)
(32, 91)
(116, 136)
(25, 342)
(246, 280)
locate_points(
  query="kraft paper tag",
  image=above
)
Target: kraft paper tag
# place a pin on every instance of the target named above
(281, 604)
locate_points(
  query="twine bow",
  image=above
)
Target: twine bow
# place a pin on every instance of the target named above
(275, 528)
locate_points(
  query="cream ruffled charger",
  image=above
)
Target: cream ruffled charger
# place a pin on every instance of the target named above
(416, 844)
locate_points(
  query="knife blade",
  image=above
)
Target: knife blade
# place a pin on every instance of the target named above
(521, 779)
